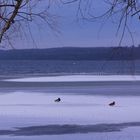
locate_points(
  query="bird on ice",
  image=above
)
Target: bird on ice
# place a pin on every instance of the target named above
(112, 104)
(57, 100)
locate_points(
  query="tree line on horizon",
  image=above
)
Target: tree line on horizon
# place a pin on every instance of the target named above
(73, 53)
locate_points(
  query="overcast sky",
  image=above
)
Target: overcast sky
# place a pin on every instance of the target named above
(77, 33)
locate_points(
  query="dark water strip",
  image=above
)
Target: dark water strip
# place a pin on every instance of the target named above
(10, 84)
(67, 129)
(128, 88)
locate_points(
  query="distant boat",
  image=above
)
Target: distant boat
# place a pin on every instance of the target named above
(57, 100)
(112, 104)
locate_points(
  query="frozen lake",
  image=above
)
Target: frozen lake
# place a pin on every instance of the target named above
(28, 110)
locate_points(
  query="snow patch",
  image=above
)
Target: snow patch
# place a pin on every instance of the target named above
(78, 78)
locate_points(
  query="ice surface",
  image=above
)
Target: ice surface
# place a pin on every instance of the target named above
(78, 78)
(41, 109)
(27, 109)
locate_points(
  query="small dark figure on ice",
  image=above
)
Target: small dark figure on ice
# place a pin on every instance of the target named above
(112, 104)
(57, 100)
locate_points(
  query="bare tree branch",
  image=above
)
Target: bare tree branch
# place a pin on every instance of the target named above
(11, 19)
(14, 12)
(123, 8)
(17, 11)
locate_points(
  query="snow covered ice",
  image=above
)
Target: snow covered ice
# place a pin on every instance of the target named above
(22, 113)
(79, 78)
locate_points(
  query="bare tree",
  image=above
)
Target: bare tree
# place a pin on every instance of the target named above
(122, 10)
(15, 13)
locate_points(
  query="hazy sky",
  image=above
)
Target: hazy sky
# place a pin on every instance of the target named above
(76, 32)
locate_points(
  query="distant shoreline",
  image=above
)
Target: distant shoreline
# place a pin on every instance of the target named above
(73, 53)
